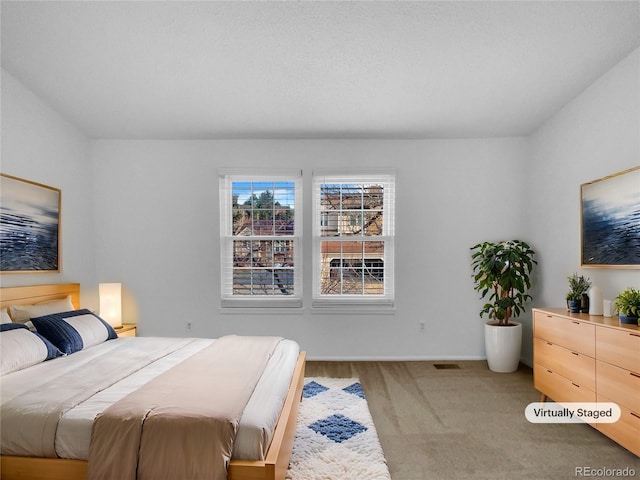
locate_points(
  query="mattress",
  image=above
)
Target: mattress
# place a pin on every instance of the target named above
(74, 427)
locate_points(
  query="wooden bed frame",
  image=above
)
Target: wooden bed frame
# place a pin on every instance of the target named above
(276, 462)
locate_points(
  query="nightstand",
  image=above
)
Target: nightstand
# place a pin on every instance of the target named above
(127, 330)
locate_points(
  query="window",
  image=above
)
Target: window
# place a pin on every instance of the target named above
(260, 229)
(353, 238)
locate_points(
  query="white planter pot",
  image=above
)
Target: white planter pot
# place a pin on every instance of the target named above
(503, 346)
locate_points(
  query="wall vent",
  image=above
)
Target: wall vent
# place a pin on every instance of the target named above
(447, 366)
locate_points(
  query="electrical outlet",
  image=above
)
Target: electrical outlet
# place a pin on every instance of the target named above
(421, 326)
(188, 325)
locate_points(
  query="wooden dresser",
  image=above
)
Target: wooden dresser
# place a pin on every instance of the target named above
(583, 358)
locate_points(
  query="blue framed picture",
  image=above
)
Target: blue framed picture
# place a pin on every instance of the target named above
(29, 226)
(610, 221)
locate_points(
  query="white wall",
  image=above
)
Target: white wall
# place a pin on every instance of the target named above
(158, 232)
(39, 145)
(146, 213)
(595, 135)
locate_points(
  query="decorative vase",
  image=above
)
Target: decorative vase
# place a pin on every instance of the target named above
(503, 345)
(584, 307)
(628, 319)
(595, 301)
(575, 306)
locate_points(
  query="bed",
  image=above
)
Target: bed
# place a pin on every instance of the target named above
(270, 464)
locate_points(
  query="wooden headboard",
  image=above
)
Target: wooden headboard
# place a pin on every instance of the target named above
(39, 293)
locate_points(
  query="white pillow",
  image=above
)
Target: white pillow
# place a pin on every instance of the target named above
(74, 331)
(91, 331)
(24, 313)
(22, 348)
(4, 316)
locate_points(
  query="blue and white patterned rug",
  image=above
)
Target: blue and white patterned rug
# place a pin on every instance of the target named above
(335, 436)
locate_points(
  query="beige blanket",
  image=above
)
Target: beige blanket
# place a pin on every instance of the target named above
(182, 424)
(29, 420)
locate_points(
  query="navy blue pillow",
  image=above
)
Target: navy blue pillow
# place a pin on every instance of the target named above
(4, 327)
(52, 350)
(67, 338)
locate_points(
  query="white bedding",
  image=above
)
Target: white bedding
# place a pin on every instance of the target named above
(74, 427)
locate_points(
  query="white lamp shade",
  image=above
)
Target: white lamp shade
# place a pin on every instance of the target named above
(111, 303)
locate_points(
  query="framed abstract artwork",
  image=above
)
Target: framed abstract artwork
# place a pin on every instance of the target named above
(610, 221)
(29, 226)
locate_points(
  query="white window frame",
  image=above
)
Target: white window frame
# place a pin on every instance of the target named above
(226, 178)
(350, 302)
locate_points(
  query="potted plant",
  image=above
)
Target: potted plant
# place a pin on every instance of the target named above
(574, 302)
(628, 306)
(502, 271)
(577, 299)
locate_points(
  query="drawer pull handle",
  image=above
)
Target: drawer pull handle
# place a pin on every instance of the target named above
(633, 374)
(634, 335)
(635, 414)
(576, 354)
(549, 316)
(577, 323)
(575, 384)
(549, 343)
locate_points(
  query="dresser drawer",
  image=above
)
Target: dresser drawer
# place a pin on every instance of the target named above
(576, 336)
(626, 431)
(619, 347)
(618, 384)
(576, 367)
(558, 388)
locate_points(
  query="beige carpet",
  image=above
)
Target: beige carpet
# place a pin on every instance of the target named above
(469, 423)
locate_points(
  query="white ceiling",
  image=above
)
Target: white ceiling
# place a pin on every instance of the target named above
(204, 69)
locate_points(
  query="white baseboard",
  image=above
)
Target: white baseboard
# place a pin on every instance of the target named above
(420, 358)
